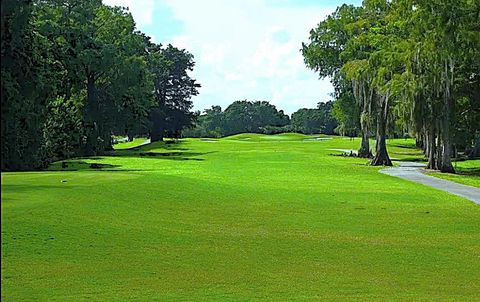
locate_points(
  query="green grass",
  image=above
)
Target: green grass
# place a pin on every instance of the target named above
(467, 173)
(128, 145)
(403, 149)
(267, 219)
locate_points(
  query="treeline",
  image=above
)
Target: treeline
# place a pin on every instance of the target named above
(74, 73)
(406, 64)
(261, 117)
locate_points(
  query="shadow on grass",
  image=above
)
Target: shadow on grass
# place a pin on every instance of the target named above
(167, 145)
(170, 150)
(468, 171)
(414, 159)
(404, 145)
(78, 165)
(164, 155)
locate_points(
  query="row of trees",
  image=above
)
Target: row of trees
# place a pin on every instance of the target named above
(318, 120)
(262, 117)
(408, 64)
(74, 73)
(239, 117)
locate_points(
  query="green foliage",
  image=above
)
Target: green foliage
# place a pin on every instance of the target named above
(240, 117)
(26, 83)
(76, 72)
(173, 90)
(245, 116)
(347, 114)
(320, 120)
(413, 67)
(63, 131)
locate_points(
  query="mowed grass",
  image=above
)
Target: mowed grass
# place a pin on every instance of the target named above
(467, 173)
(127, 145)
(266, 218)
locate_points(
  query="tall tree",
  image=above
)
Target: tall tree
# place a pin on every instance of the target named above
(326, 55)
(173, 90)
(27, 81)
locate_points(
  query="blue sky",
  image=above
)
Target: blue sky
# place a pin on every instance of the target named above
(246, 49)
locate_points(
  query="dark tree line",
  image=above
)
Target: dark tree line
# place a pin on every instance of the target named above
(239, 117)
(262, 117)
(318, 120)
(409, 65)
(74, 73)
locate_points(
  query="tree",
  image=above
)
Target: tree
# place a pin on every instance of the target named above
(346, 112)
(26, 83)
(310, 121)
(329, 122)
(326, 55)
(63, 129)
(73, 74)
(245, 116)
(240, 117)
(444, 72)
(101, 54)
(173, 90)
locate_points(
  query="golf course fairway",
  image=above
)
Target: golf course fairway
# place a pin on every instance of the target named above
(242, 218)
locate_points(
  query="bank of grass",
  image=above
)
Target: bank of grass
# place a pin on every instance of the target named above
(265, 218)
(467, 173)
(128, 145)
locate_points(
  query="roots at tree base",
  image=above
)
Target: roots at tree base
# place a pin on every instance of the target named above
(381, 159)
(365, 153)
(448, 168)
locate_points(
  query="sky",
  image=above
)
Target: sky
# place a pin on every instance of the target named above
(245, 49)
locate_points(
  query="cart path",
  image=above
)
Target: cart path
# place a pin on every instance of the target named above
(415, 172)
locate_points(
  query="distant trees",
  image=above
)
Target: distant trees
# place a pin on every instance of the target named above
(262, 117)
(74, 73)
(320, 120)
(408, 64)
(239, 117)
(245, 116)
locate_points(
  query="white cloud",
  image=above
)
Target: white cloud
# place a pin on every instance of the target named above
(142, 10)
(244, 49)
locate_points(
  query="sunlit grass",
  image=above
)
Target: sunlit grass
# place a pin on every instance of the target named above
(267, 218)
(128, 145)
(467, 173)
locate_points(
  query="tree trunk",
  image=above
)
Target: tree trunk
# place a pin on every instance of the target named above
(476, 150)
(91, 127)
(428, 143)
(419, 141)
(364, 150)
(439, 151)
(431, 147)
(157, 125)
(446, 165)
(129, 137)
(156, 137)
(381, 155)
(106, 142)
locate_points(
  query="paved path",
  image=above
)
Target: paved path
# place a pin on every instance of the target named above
(415, 172)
